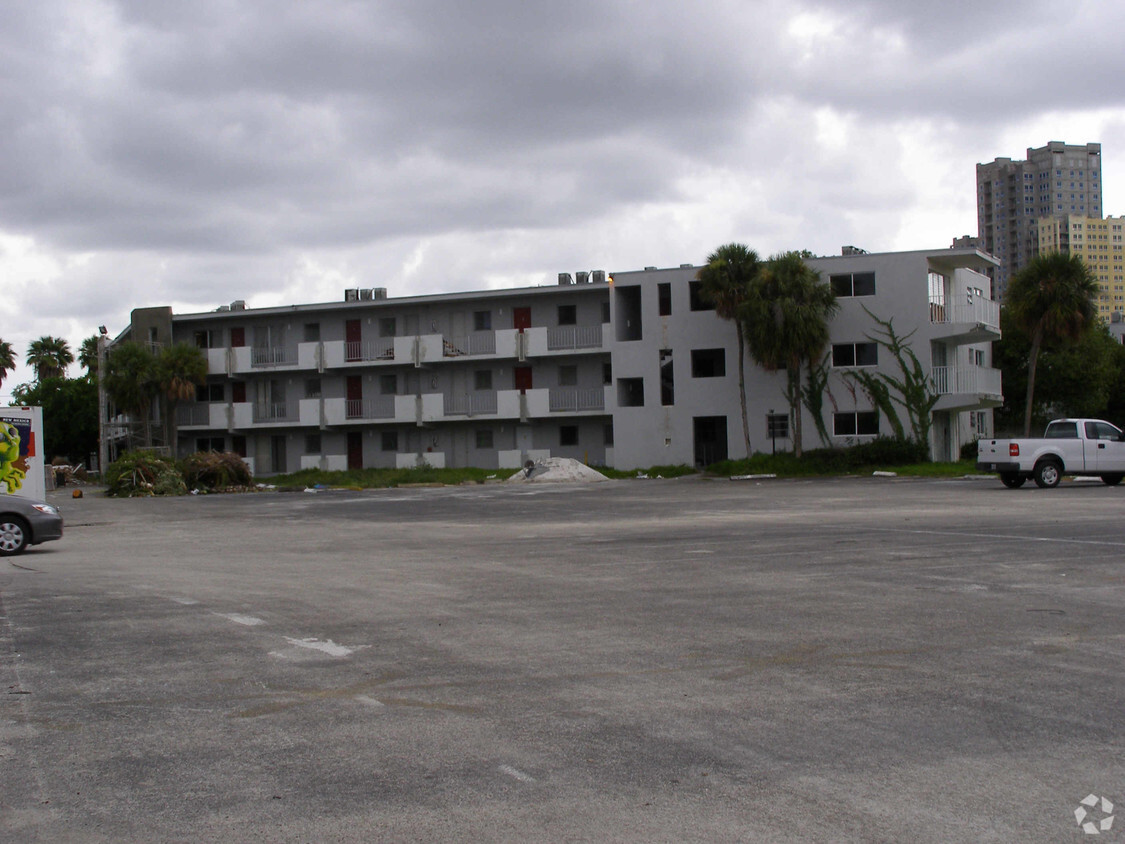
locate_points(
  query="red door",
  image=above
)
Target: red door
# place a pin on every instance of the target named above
(523, 378)
(238, 337)
(354, 397)
(521, 318)
(355, 449)
(353, 337)
(238, 391)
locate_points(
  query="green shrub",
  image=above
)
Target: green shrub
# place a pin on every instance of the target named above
(213, 471)
(143, 473)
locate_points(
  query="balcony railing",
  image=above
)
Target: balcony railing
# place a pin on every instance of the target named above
(197, 413)
(381, 349)
(966, 379)
(273, 356)
(382, 407)
(470, 404)
(570, 400)
(574, 337)
(277, 411)
(478, 343)
(978, 311)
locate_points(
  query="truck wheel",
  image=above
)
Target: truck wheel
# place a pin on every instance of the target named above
(1011, 480)
(1112, 480)
(1048, 474)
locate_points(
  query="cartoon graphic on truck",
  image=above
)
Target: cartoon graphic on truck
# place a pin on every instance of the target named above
(13, 466)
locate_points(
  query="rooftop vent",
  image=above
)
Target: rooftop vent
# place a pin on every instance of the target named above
(852, 250)
(649, 268)
(238, 305)
(365, 293)
(685, 266)
(598, 276)
(564, 278)
(582, 277)
(222, 309)
(378, 293)
(351, 294)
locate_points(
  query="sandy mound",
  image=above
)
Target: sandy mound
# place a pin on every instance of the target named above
(558, 470)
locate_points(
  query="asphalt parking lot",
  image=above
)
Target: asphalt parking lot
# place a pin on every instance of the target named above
(692, 660)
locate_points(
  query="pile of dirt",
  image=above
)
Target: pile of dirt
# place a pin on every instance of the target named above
(557, 470)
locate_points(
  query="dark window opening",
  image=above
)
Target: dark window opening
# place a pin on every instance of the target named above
(568, 376)
(630, 392)
(312, 443)
(387, 327)
(695, 297)
(568, 315)
(482, 320)
(388, 384)
(568, 435)
(484, 438)
(667, 379)
(482, 379)
(628, 313)
(664, 298)
(708, 363)
(855, 354)
(389, 441)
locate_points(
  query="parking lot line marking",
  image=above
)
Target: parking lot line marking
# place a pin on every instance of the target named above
(370, 701)
(516, 774)
(967, 535)
(238, 618)
(187, 602)
(327, 646)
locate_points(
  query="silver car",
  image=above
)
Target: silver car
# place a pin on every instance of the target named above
(24, 521)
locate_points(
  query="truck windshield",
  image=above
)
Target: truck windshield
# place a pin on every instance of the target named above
(1062, 431)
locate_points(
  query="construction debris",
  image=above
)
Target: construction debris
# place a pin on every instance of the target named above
(557, 470)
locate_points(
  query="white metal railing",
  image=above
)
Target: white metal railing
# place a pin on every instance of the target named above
(966, 379)
(477, 343)
(382, 407)
(574, 337)
(275, 411)
(572, 400)
(978, 310)
(381, 349)
(273, 355)
(197, 413)
(470, 404)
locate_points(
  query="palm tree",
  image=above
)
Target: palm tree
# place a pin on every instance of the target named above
(49, 356)
(130, 382)
(88, 355)
(786, 322)
(179, 369)
(725, 282)
(1052, 299)
(7, 359)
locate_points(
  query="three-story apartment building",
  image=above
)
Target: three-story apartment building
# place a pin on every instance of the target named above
(628, 370)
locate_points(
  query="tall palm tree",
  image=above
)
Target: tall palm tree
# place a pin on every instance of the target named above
(179, 369)
(1052, 299)
(7, 359)
(786, 322)
(130, 382)
(725, 282)
(88, 355)
(49, 356)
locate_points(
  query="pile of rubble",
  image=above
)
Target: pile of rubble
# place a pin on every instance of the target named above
(557, 470)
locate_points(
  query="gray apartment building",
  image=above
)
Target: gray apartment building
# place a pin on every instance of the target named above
(1054, 180)
(627, 370)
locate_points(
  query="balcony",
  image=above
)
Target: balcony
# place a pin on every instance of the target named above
(267, 412)
(975, 320)
(471, 404)
(573, 400)
(477, 343)
(382, 407)
(193, 415)
(369, 350)
(273, 356)
(567, 337)
(966, 387)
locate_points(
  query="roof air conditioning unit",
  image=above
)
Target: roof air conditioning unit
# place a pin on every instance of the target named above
(365, 293)
(378, 293)
(222, 309)
(598, 277)
(564, 278)
(351, 294)
(647, 269)
(238, 305)
(582, 277)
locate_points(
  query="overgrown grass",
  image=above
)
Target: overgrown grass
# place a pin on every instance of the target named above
(881, 455)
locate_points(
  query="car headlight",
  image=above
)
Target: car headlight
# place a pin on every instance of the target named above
(46, 508)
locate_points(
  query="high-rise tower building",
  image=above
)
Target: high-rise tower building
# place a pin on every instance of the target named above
(1101, 246)
(1055, 180)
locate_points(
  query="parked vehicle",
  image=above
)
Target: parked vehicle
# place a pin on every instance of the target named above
(1068, 446)
(25, 521)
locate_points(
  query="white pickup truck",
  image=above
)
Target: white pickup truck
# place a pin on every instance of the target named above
(1068, 446)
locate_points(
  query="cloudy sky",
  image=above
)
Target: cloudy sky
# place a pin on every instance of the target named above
(157, 152)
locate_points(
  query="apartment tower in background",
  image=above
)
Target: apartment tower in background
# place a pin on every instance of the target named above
(1101, 246)
(1012, 196)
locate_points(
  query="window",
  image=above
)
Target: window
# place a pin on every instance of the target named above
(568, 435)
(708, 363)
(312, 443)
(205, 339)
(312, 332)
(630, 392)
(607, 373)
(976, 357)
(1102, 431)
(853, 284)
(667, 379)
(568, 376)
(312, 388)
(482, 379)
(210, 444)
(482, 320)
(607, 433)
(855, 354)
(1062, 431)
(389, 441)
(388, 384)
(695, 298)
(484, 437)
(863, 423)
(387, 327)
(209, 392)
(664, 298)
(568, 315)
(605, 311)
(777, 426)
